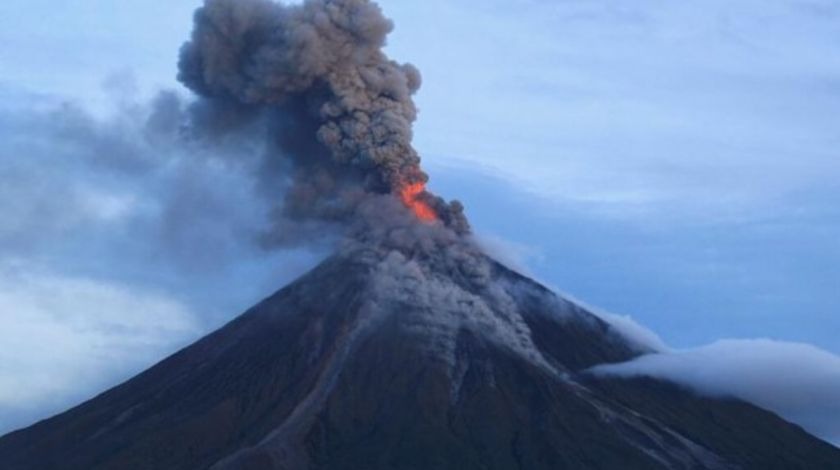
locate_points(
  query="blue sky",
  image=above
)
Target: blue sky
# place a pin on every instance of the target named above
(670, 161)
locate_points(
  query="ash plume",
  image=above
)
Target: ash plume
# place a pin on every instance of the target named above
(335, 111)
(336, 117)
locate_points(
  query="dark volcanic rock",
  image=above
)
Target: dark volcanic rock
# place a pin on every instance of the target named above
(345, 369)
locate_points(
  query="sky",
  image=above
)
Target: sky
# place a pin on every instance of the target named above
(674, 162)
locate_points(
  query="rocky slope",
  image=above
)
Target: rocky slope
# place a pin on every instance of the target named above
(388, 362)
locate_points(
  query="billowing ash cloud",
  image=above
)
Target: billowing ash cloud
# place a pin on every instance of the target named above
(335, 111)
(299, 133)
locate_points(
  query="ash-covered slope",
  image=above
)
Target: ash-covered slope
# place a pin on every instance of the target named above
(409, 349)
(382, 360)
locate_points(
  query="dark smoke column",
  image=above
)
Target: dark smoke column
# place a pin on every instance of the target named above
(340, 110)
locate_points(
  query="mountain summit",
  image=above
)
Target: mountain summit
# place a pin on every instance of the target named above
(409, 348)
(394, 359)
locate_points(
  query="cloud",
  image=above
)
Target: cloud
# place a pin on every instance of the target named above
(513, 254)
(64, 338)
(118, 242)
(631, 329)
(625, 325)
(798, 381)
(519, 256)
(126, 186)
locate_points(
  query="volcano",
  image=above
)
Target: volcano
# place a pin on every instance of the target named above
(382, 359)
(409, 348)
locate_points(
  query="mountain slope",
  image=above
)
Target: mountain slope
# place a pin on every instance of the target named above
(392, 362)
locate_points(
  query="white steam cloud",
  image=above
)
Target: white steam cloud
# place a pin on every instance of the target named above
(65, 338)
(798, 381)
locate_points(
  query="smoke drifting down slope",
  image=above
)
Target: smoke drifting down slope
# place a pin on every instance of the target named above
(335, 111)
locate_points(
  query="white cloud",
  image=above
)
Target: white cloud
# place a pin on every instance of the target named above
(513, 254)
(631, 329)
(798, 381)
(123, 234)
(625, 325)
(519, 256)
(105, 206)
(63, 337)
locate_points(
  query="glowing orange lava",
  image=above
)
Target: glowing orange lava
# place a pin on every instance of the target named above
(410, 195)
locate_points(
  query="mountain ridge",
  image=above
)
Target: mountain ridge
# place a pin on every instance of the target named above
(341, 369)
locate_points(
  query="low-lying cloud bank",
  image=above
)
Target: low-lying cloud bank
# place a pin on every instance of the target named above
(798, 381)
(64, 338)
(120, 240)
